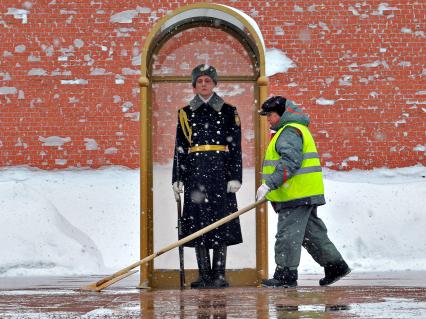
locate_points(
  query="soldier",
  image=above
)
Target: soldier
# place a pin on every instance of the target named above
(208, 166)
(292, 181)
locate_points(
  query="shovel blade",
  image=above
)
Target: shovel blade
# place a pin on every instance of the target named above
(93, 287)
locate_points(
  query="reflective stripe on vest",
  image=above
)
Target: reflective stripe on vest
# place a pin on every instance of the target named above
(307, 181)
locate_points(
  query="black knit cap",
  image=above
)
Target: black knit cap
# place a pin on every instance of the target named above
(273, 104)
(204, 69)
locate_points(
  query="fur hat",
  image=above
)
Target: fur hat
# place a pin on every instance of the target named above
(273, 104)
(204, 69)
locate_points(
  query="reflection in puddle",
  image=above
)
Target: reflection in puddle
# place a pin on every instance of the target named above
(305, 311)
(395, 308)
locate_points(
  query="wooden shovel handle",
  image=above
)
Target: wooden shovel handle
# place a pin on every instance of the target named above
(184, 240)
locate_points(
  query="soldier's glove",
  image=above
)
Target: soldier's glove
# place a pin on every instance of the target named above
(262, 191)
(177, 188)
(233, 186)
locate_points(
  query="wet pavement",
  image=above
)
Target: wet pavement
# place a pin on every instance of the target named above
(372, 295)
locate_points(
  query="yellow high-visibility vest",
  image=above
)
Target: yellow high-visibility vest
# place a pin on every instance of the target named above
(307, 180)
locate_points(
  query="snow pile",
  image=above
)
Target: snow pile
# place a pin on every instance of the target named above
(87, 221)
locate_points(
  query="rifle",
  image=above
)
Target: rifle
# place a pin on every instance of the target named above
(179, 227)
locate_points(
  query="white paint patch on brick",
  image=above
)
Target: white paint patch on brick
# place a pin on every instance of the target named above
(383, 7)
(404, 63)
(126, 106)
(7, 54)
(54, 140)
(233, 90)
(20, 48)
(19, 143)
(397, 123)
(6, 76)
(48, 49)
(279, 31)
(7, 90)
(37, 72)
(420, 34)
(354, 11)
(136, 60)
(33, 58)
(322, 101)
(421, 93)
(297, 8)
(128, 71)
(27, 5)
(75, 82)
(249, 135)
(57, 72)
(143, 10)
(373, 94)
(346, 80)
(78, 43)
(420, 148)
(124, 16)
(19, 14)
(99, 71)
(406, 30)
(21, 95)
(323, 26)
(119, 79)
(111, 150)
(60, 161)
(312, 8)
(184, 66)
(376, 64)
(133, 116)
(349, 159)
(67, 11)
(116, 98)
(91, 144)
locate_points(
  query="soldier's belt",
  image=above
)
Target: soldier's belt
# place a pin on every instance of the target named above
(205, 148)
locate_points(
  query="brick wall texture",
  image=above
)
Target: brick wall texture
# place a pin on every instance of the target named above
(69, 70)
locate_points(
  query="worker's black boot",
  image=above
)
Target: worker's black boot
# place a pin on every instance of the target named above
(334, 272)
(283, 277)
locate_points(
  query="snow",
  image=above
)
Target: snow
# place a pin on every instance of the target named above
(83, 221)
(277, 62)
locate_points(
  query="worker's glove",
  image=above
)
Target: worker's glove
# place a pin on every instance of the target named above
(177, 188)
(262, 191)
(233, 186)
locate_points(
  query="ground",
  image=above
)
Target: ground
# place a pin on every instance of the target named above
(360, 295)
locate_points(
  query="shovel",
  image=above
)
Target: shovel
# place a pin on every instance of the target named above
(125, 272)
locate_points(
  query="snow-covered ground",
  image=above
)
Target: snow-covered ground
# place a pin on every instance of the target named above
(87, 221)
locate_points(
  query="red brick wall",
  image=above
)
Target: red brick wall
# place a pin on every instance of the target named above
(69, 94)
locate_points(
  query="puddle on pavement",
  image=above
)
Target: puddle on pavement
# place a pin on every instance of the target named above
(395, 308)
(304, 303)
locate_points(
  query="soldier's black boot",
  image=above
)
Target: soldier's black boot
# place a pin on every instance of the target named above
(283, 277)
(219, 265)
(204, 269)
(334, 272)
